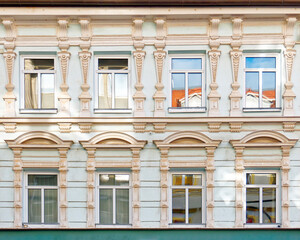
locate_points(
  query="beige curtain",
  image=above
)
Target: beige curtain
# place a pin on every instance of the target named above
(31, 96)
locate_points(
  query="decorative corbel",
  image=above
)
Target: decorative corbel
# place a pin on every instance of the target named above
(139, 55)
(64, 97)
(62, 35)
(290, 52)
(214, 55)
(10, 33)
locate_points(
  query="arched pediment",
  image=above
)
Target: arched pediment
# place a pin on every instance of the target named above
(38, 139)
(188, 139)
(264, 138)
(113, 140)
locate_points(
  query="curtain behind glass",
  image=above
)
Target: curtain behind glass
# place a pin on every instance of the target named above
(34, 206)
(106, 206)
(122, 205)
(31, 94)
(50, 206)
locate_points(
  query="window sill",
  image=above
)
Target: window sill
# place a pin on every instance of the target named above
(129, 110)
(52, 110)
(40, 225)
(113, 226)
(187, 225)
(262, 225)
(262, 109)
(186, 110)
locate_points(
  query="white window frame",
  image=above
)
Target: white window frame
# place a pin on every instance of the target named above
(203, 187)
(25, 206)
(97, 208)
(96, 84)
(279, 80)
(260, 186)
(202, 71)
(22, 85)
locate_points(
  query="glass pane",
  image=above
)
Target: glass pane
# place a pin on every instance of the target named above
(252, 205)
(269, 205)
(121, 90)
(31, 90)
(252, 90)
(269, 89)
(260, 62)
(106, 206)
(105, 100)
(261, 178)
(47, 90)
(121, 180)
(178, 90)
(187, 179)
(107, 179)
(50, 206)
(42, 180)
(186, 63)
(195, 206)
(122, 205)
(113, 64)
(195, 89)
(39, 64)
(178, 205)
(34, 206)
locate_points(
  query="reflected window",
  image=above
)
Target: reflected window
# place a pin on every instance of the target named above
(187, 199)
(113, 83)
(39, 83)
(187, 82)
(261, 198)
(42, 198)
(261, 82)
(114, 199)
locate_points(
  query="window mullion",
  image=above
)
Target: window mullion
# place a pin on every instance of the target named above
(260, 89)
(186, 205)
(114, 206)
(113, 90)
(186, 90)
(42, 204)
(260, 205)
(39, 90)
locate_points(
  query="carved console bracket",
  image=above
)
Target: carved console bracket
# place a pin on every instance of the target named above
(139, 55)
(177, 141)
(39, 141)
(159, 127)
(214, 126)
(10, 127)
(65, 127)
(139, 127)
(85, 127)
(259, 140)
(159, 56)
(290, 52)
(235, 126)
(289, 126)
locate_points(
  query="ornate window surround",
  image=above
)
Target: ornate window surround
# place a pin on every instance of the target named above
(181, 140)
(113, 140)
(38, 140)
(262, 139)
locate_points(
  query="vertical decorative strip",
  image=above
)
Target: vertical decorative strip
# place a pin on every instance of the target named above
(63, 203)
(210, 186)
(135, 187)
(239, 173)
(164, 169)
(17, 168)
(90, 168)
(285, 168)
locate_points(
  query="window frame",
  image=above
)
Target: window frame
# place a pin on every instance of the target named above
(203, 187)
(278, 199)
(25, 202)
(96, 84)
(22, 83)
(97, 192)
(202, 71)
(279, 81)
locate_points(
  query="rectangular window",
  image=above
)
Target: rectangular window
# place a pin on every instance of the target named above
(42, 199)
(112, 83)
(261, 198)
(38, 74)
(187, 77)
(262, 83)
(114, 199)
(187, 199)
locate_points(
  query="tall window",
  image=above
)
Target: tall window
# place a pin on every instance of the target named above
(261, 198)
(187, 74)
(113, 83)
(114, 199)
(38, 83)
(42, 199)
(262, 85)
(187, 199)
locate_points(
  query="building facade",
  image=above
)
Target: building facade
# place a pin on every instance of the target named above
(150, 118)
